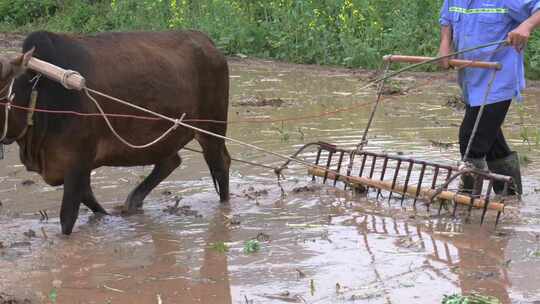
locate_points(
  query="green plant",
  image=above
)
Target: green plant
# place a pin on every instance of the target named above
(470, 299)
(21, 12)
(284, 134)
(252, 246)
(352, 33)
(220, 247)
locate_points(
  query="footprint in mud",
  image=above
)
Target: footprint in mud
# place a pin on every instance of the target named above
(181, 210)
(308, 188)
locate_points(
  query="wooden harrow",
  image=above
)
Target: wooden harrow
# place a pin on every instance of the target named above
(403, 177)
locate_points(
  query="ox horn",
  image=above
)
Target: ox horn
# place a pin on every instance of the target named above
(15, 66)
(22, 60)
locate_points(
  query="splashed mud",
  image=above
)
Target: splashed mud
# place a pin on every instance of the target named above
(317, 244)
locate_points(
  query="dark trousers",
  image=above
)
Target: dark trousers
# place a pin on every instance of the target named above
(489, 140)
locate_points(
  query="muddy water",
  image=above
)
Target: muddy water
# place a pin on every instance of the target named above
(318, 244)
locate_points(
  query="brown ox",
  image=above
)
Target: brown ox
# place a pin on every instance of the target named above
(173, 73)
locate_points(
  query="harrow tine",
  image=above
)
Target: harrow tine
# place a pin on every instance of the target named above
(420, 180)
(504, 193)
(328, 163)
(434, 182)
(435, 176)
(373, 162)
(364, 158)
(396, 173)
(339, 167)
(455, 207)
(317, 159)
(440, 207)
(505, 188)
(407, 178)
(383, 172)
(448, 175)
(486, 201)
(469, 210)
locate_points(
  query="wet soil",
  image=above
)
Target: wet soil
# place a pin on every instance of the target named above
(317, 243)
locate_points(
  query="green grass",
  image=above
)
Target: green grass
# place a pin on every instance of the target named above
(352, 33)
(470, 299)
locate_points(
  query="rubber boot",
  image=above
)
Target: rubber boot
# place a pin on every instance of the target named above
(508, 166)
(472, 184)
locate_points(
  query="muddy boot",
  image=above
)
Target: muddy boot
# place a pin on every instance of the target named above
(508, 166)
(472, 184)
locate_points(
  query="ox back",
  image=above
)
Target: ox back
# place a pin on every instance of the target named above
(172, 73)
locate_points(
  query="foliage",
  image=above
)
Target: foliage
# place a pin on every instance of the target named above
(469, 299)
(353, 33)
(21, 12)
(252, 246)
(220, 247)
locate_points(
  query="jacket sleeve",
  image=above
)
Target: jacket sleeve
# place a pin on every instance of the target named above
(444, 18)
(521, 10)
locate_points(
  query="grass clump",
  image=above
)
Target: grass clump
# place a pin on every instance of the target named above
(470, 299)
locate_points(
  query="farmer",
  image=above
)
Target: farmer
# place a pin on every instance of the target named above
(470, 23)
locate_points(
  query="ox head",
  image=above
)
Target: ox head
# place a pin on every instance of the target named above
(15, 89)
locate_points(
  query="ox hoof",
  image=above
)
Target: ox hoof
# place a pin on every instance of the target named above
(67, 229)
(224, 199)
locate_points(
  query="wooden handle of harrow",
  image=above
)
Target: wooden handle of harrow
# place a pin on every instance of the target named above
(410, 191)
(71, 79)
(457, 63)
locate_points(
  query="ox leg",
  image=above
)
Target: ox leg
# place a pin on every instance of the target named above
(74, 185)
(89, 200)
(218, 159)
(160, 172)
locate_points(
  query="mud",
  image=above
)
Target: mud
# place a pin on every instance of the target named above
(318, 244)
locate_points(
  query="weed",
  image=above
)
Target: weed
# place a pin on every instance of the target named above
(252, 246)
(470, 299)
(352, 33)
(220, 247)
(524, 160)
(53, 295)
(284, 135)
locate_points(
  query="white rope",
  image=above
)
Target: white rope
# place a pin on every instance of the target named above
(127, 143)
(7, 108)
(65, 78)
(179, 122)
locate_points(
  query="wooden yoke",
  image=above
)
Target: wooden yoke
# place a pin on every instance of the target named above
(457, 63)
(69, 79)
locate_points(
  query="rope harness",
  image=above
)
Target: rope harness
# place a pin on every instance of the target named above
(182, 122)
(9, 105)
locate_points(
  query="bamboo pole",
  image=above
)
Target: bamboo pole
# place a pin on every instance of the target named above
(71, 79)
(411, 189)
(457, 63)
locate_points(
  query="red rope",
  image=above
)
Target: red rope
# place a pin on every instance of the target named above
(253, 120)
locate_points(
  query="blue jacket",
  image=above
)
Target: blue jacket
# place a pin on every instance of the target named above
(477, 22)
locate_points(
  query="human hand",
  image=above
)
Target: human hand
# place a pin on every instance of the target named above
(519, 37)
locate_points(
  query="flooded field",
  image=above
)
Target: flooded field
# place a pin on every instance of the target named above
(315, 243)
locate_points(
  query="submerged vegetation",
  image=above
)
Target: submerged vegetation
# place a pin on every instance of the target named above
(470, 299)
(353, 33)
